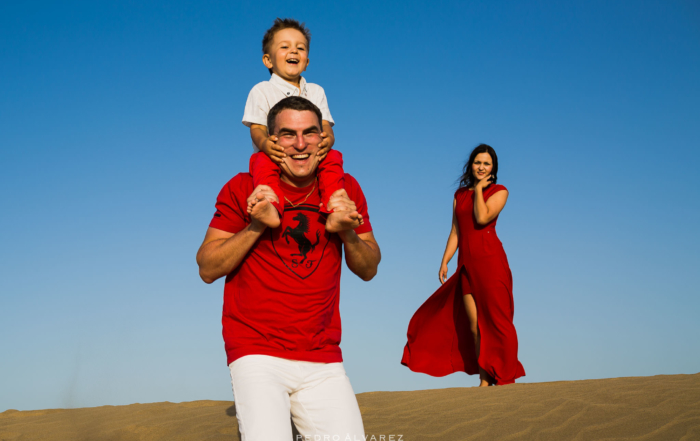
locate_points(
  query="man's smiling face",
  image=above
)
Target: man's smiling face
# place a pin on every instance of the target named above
(289, 54)
(299, 133)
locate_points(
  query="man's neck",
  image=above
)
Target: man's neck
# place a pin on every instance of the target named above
(298, 182)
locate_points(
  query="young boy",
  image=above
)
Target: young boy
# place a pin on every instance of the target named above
(285, 54)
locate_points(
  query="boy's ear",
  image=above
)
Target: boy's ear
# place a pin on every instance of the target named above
(307, 64)
(267, 61)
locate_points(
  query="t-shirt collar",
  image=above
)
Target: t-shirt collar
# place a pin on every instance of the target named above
(287, 188)
(287, 88)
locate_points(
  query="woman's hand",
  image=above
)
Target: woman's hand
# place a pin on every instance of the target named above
(442, 274)
(483, 183)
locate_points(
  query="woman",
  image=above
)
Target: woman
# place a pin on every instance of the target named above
(467, 324)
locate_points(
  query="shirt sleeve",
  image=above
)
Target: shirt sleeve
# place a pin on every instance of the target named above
(322, 104)
(256, 108)
(492, 190)
(230, 215)
(356, 195)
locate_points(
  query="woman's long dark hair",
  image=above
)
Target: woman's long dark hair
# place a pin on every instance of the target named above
(467, 179)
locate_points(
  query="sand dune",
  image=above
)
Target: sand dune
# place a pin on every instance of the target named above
(643, 408)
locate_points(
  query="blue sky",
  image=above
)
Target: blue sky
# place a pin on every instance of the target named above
(120, 122)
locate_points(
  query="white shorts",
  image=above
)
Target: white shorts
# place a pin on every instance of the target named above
(318, 396)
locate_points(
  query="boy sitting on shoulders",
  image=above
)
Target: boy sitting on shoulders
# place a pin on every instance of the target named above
(286, 55)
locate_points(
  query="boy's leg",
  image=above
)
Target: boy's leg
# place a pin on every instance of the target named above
(266, 172)
(331, 176)
(325, 407)
(261, 388)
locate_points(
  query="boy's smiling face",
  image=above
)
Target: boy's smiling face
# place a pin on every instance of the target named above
(289, 55)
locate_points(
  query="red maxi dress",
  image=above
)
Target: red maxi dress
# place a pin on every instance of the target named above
(439, 339)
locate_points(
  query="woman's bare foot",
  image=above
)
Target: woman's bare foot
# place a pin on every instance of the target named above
(264, 212)
(485, 379)
(343, 220)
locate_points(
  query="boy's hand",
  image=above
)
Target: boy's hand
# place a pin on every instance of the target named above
(271, 149)
(325, 145)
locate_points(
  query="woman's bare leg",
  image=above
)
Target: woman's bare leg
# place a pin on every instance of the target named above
(470, 306)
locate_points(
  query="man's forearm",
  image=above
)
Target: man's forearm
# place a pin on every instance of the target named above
(361, 255)
(219, 257)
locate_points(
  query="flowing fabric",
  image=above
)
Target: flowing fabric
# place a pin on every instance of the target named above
(439, 338)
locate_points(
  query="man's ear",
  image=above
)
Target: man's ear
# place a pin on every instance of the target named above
(267, 61)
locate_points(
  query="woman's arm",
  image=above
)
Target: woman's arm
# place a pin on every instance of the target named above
(452, 244)
(486, 211)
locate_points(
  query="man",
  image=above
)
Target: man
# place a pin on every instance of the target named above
(281, 321)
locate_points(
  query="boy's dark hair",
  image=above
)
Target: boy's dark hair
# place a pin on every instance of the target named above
(467, 179)
(278, 25)
(293, 103)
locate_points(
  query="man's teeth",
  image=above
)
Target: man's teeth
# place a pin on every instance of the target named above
(304, 156)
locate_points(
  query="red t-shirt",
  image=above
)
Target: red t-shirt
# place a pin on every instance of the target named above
(282, 300)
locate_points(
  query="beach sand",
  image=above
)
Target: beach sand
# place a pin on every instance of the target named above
(665, 407)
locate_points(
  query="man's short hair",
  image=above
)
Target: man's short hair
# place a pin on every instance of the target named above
(292, 103)
(278, 25)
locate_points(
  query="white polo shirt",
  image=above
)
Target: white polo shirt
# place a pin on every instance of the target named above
(266, 94)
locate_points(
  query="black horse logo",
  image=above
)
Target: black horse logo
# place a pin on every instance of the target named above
(298, 233)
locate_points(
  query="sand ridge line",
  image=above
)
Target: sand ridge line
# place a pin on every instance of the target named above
(636, 408)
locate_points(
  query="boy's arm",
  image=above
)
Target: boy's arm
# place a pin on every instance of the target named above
(266, 144)
(328, 140)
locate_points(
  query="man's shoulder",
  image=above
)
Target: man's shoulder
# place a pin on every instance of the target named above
(351, 179)
(242, 177)
(352, 186)
(241, 183)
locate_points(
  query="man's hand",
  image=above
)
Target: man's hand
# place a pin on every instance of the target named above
(265, 191)
(344, 215)
(262, 213)
(340, 201)
(270, 147)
